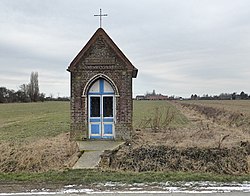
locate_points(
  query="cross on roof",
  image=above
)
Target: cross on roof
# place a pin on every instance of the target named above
(100, 15)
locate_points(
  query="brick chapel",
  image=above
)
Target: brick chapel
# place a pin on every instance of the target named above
(101, 91)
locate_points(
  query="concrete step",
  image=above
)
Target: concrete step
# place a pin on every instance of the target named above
(92, 151)
(88, 160)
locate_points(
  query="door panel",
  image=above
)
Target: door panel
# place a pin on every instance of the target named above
(107, 107)
(95, 106)
(95, 129)
(95, 124)
(108, 128)
(108, 116)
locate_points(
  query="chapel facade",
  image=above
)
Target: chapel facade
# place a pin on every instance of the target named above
(101, 91)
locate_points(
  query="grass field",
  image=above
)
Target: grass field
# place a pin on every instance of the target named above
(32, 121)
(37, 127)
(21, 121)
(24, 121)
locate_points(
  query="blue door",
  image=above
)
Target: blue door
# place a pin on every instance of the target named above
(101, 110)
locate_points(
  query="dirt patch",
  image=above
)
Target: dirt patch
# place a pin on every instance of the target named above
(38, 156)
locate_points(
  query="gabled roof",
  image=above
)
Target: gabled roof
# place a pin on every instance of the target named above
(112, 45)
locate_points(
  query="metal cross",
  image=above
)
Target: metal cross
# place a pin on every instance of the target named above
(100, 15)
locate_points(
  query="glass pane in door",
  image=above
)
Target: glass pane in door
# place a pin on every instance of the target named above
(94, 106)
(107, 106)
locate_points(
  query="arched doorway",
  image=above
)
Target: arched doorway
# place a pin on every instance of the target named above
(101, 110)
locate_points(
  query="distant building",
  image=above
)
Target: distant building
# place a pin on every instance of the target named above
(140, 97)
(156, 97)
(151, 96)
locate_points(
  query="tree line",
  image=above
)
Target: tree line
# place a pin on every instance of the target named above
(26, 92)
(222, 96)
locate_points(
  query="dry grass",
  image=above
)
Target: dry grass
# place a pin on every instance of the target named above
(37, 156)
(214, 123)
(238, 106)
(206, 126)
(163, 158)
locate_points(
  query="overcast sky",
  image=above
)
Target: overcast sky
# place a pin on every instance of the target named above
(180, 47)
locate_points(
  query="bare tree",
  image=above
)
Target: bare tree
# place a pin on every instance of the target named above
(23, 93)
(34, 87)
(25, 89)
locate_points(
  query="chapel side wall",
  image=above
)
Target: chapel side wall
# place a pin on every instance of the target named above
(78, 121)
(124, 111)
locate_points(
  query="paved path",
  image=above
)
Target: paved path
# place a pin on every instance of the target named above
(92, 151)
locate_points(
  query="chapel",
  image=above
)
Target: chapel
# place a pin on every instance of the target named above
(101, 79)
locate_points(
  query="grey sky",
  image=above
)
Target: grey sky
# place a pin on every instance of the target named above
(180, 47)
